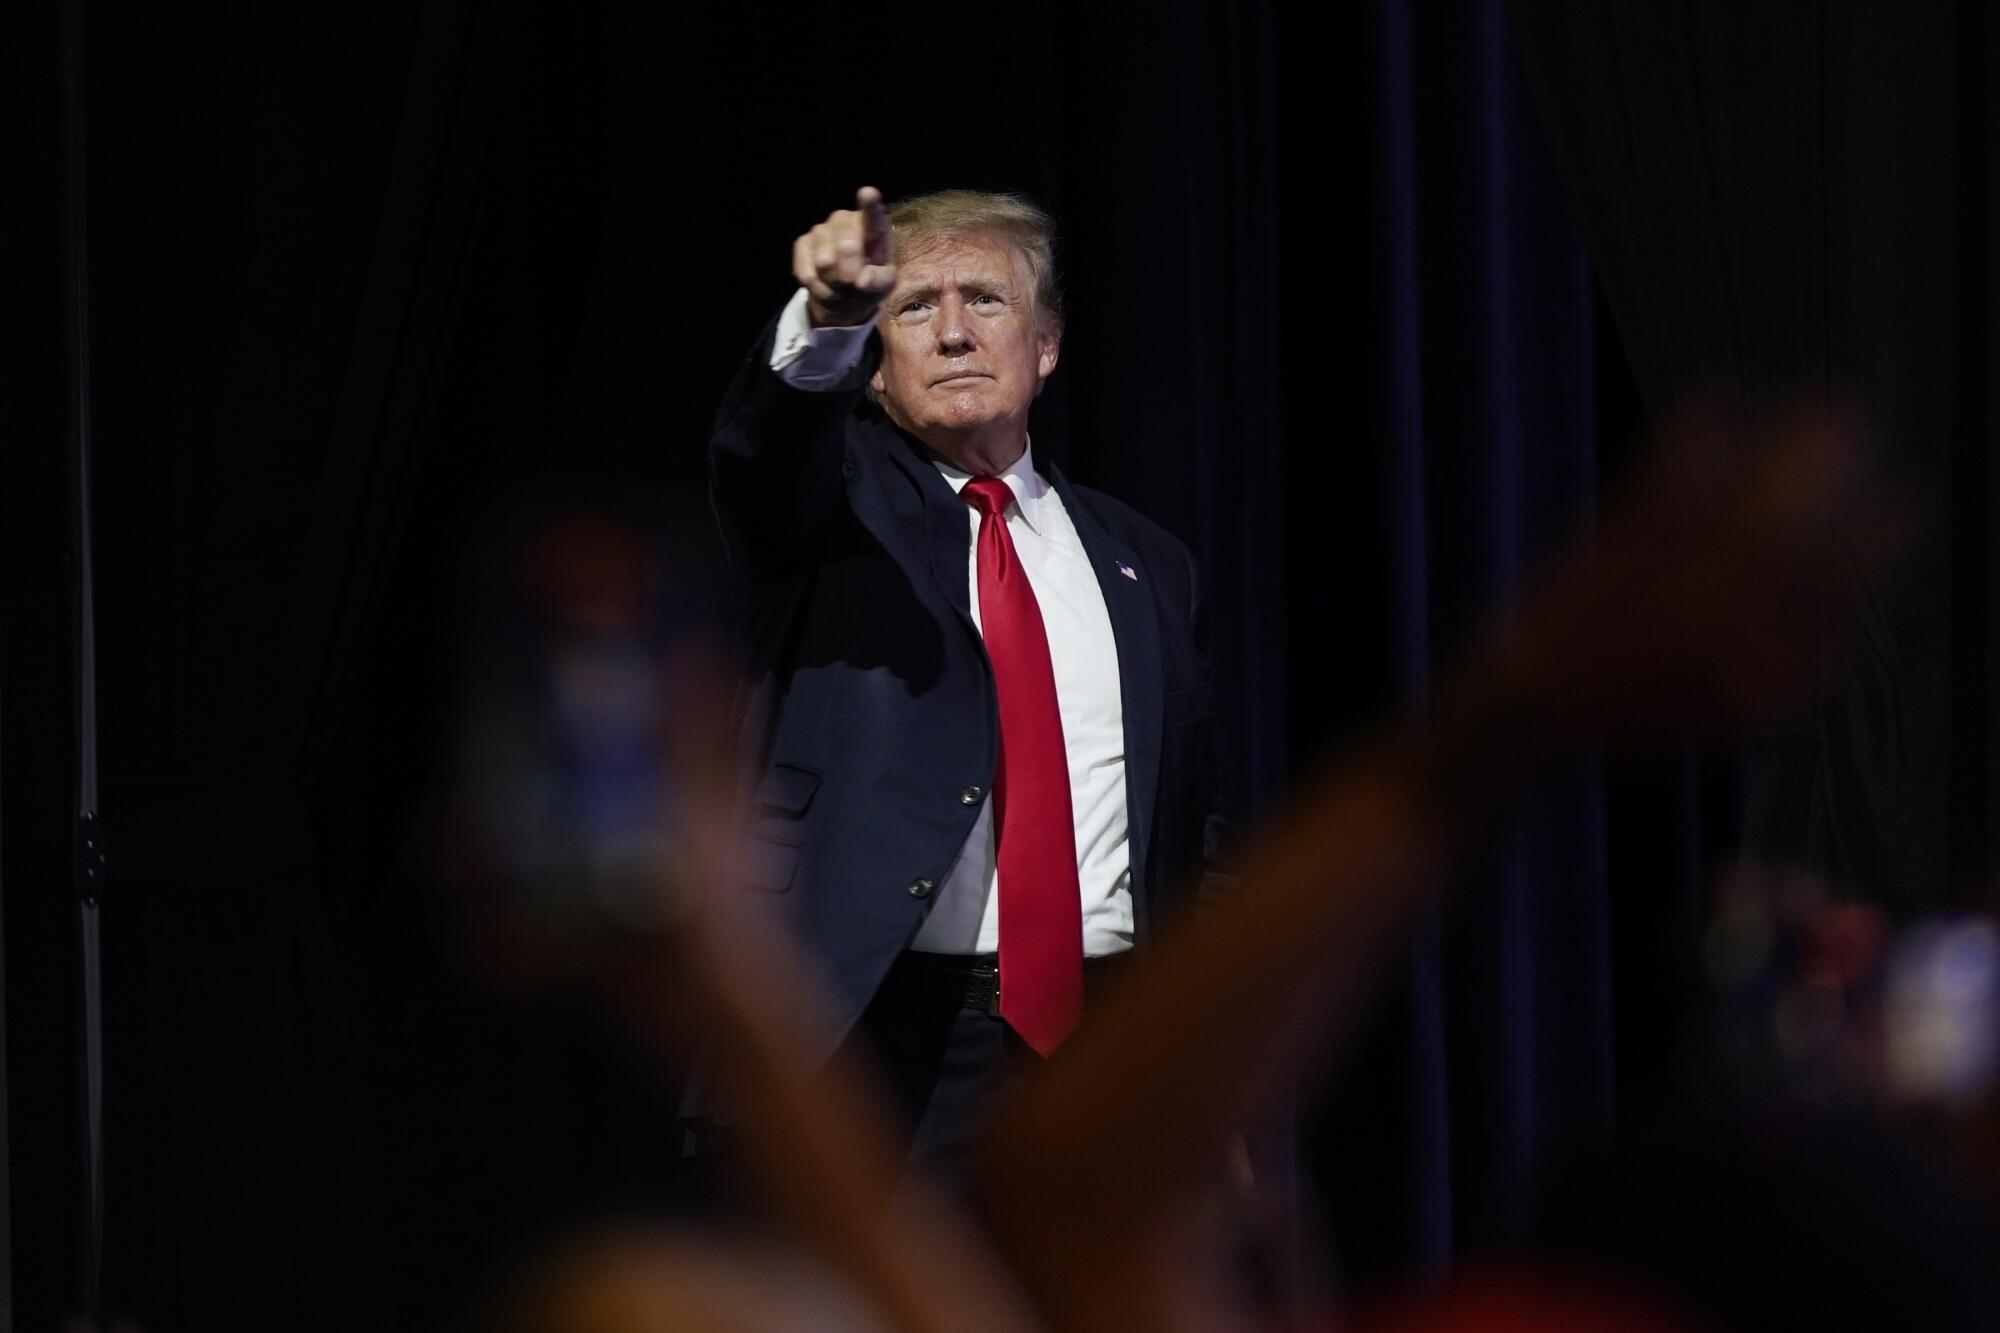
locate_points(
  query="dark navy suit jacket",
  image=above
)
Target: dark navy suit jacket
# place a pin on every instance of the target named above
(873, 708)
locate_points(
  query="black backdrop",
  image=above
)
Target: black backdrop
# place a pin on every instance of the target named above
(1802, 195)
(367, 274)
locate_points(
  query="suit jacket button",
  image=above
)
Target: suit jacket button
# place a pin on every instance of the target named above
(972, 796)
(921, 888)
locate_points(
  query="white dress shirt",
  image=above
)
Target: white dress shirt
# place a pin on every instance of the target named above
(965, 910)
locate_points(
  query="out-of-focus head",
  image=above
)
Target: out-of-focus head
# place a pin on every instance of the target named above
(974, 324)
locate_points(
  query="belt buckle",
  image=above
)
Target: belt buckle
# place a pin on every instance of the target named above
(982, 974)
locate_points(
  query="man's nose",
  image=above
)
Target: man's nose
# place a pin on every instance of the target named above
(954, 333)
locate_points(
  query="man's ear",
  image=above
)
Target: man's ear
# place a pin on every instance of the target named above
(875, 383)
(1049, 351)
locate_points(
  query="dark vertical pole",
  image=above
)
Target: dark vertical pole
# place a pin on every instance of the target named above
(6, 1123)
(1970, 467)
(88, 863)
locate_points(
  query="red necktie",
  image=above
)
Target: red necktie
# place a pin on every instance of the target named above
(1041, 907)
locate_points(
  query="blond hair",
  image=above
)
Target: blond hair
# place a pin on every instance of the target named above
(923, 220)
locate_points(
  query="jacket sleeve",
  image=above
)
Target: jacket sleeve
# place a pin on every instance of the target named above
(775, 459)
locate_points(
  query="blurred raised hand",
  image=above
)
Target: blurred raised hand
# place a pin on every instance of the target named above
(1704, 603)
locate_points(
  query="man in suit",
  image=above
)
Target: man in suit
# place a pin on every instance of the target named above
(982, 708)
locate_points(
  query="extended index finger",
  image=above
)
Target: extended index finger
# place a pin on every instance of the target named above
(878, 242)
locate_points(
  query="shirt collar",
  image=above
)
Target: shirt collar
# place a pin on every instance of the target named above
(1028, 485)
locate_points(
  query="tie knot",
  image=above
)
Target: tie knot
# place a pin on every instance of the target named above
(989, 495)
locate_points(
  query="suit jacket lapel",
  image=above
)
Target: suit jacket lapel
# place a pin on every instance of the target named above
(1135, 624)
(929, 507)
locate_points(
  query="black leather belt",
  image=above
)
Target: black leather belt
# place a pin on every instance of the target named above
(972, 980)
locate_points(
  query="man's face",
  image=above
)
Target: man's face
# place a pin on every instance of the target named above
(961, 351)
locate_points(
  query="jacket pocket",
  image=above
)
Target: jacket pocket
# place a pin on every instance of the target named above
(785, 793)
(776, 838)
(769, 863)
(1188, 705)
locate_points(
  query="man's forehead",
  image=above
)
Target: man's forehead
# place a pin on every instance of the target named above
(958, 257)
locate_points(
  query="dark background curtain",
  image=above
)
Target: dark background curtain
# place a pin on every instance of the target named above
(1785, 197)
(371, 278)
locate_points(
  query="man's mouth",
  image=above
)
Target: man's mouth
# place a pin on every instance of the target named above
(960, 377)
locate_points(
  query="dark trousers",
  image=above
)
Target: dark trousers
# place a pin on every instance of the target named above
(949, 1069)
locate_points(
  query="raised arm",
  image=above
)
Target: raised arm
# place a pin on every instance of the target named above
(775, 454)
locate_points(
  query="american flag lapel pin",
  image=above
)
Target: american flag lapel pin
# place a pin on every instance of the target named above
(1127, 570)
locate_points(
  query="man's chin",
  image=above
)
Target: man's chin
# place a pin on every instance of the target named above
(967, 399)
(953, 419)
(962, 418)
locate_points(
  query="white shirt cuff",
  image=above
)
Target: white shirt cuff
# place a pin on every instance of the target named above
(816, 359)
